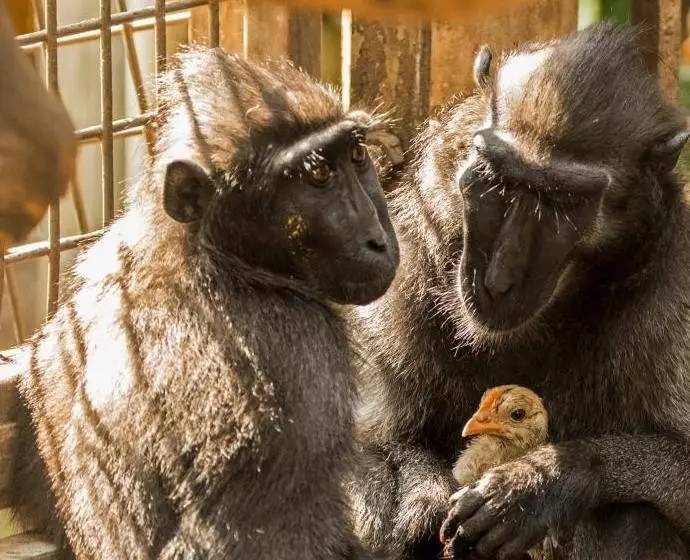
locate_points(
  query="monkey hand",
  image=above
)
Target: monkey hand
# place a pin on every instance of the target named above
(421, 511)
(512, 507)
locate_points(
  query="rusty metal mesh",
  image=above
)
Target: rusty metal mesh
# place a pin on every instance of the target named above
(48, 38)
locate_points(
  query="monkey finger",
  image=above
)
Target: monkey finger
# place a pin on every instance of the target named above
(483, 520)
(516, 548)
(456, 548)
(459, 494)
(463, 508)
(491, 541)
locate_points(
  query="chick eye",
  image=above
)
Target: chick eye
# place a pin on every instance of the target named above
(359, 153)
(319, 173)
(518, 414)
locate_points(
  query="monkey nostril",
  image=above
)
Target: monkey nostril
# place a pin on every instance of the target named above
(376, 245)
(497, 285)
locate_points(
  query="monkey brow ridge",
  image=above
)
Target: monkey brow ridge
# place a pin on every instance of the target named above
(338, 132)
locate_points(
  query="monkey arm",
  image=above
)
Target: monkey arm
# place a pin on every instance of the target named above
(401, 496)
(646, 468)
(513, 506)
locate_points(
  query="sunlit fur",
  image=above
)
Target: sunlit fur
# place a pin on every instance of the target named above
(184, 404)
(609, 352)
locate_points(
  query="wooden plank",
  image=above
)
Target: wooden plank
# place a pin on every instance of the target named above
(660, 40)
(11, 364)
(231, 14)
(453, 45)
(28, 546)
(267, 30)
(390, 64)
(8, 447)
(465, 10)
(304, 40)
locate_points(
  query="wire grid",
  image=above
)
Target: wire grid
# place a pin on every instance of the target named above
(49, 37)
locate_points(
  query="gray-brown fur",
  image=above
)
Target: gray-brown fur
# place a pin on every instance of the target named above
(610, 354)
(186, 403)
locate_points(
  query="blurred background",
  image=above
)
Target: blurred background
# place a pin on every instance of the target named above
(410, 66)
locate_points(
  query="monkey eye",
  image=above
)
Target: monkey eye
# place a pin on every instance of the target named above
(359, 153)
(564, 199)
(319, 173)
(518, 414)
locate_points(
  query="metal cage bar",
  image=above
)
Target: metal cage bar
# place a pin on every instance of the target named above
(116, 29)
(48, 37)
(135, 72)
(117, 19)
(161, 54)
(213, 23)
(54, 210)
(107, 115)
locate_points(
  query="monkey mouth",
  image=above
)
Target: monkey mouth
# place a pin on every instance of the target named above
(360, 292)
(479, 314)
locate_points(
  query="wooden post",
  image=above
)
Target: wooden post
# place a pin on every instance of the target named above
(304, 40)
(393, 10)
(660, 40)
(9, 373)
(231, 16)
(390, 65)
(454, 44)
(267, 30)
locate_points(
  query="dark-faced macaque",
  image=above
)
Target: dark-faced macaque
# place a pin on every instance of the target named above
(192, 397)
(546, 243)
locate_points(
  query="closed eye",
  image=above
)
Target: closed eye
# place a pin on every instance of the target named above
(563, 199)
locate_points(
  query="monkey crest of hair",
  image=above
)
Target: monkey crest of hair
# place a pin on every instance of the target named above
(192, 396)
(546, 242)
(238, 108)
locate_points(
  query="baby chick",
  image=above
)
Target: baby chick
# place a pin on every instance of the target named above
(511, 421)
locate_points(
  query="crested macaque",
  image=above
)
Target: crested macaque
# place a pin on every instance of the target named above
(192, 397)
(545, 242)
(37, 143)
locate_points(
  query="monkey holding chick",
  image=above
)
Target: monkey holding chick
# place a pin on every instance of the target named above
(546, 242)
(192, 396)
(510, 422)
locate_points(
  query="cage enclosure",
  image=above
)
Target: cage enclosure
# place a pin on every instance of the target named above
(406, 57)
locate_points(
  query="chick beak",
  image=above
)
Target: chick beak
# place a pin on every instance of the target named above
(482, 424)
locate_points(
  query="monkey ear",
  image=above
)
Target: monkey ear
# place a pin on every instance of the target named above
(482, 66)
(186, 191)
(664, 154)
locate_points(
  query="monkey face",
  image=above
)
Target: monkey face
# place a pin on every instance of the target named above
(524, 225)
(555, 184)
(311, 212)
(330, 215)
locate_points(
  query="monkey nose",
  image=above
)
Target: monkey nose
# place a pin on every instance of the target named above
(497, 282)
(377, 245)
(376, 240)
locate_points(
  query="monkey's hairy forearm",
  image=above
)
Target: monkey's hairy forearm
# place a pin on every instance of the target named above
(646, 468)
(654, 469)
(406, 490)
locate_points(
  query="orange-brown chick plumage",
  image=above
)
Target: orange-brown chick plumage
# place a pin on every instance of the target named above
(510, 421)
